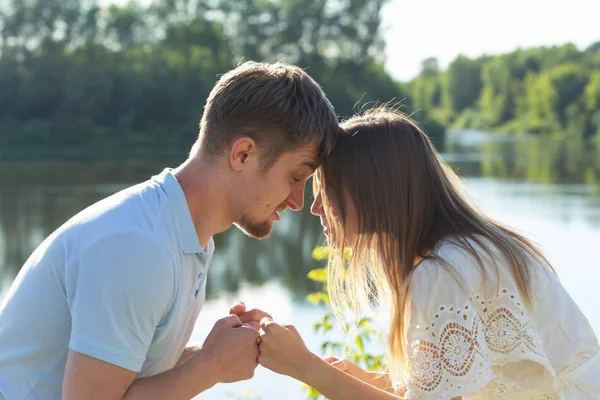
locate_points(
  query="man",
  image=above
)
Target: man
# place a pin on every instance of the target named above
(105, 306)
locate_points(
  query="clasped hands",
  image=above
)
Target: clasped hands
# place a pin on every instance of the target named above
(246, 338)
(280, 347)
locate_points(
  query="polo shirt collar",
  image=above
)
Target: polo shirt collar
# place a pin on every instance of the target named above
(185, 224)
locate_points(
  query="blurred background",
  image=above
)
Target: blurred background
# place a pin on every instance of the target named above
(98, 95)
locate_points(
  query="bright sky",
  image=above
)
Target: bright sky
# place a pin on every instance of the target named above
(418, 29)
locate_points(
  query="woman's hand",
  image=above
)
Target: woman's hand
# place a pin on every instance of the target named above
(282, 350)
(379, 380)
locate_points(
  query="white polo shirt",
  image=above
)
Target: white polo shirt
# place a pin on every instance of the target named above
(122, 281)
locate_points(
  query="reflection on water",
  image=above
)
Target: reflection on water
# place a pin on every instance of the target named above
(30, 212)
(35, 199)
(546, 161)
(549, 190)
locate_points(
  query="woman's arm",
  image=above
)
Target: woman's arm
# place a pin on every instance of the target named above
(282, 350)
(338, 385)
(381, 381)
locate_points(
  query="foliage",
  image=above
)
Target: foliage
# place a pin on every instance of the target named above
(82, 79)
(545, 90)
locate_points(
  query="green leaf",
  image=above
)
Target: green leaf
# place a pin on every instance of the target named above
(317, 298)
(311, 392)
(318, 275)
(321, 253)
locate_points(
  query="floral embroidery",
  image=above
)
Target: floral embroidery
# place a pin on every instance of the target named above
(458, 352)
(460, 338)
(458, 349)
(503, 332)
(427, 366)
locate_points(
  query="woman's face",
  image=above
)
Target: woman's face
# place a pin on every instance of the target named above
(318, 209)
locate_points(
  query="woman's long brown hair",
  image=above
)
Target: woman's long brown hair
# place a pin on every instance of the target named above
(407, 199)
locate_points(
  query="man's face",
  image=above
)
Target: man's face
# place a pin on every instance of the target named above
(268, 193)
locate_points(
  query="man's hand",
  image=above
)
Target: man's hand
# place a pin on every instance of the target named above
(251, 317)
(232, 348)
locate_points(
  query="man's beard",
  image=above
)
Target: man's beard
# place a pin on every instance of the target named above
(253, 229)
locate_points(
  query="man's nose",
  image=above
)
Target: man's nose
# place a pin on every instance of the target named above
(295, 200)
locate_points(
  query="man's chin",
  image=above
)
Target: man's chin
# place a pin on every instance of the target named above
(256, 231)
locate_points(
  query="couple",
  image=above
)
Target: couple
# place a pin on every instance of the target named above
(104, 307)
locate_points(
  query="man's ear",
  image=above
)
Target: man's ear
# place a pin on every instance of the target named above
(242, 150)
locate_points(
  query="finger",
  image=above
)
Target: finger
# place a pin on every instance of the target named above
(265, 322)
(253, 324)
(254, 330)
(292, 328)
(249, 325)
(330, 359)
(254, 315)
(231, 321)
(342, 364)
(237, 308)
(256, 335)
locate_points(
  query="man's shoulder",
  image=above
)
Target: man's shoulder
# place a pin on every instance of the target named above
(135, 212)
(138, 206)
(131, 242)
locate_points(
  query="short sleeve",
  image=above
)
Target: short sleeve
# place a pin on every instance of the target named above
(118, 291)
(447, 349)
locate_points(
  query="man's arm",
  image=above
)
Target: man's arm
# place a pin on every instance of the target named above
(229, 354)
(89, 378)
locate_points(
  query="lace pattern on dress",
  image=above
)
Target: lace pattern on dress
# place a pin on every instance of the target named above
(449, 354)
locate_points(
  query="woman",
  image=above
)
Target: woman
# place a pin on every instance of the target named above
(475, 309)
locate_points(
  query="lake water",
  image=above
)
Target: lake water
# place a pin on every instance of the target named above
(548, 190)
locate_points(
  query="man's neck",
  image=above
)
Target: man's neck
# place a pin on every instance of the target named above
(205, 190)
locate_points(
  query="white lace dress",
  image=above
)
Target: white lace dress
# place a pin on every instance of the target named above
(481, 342)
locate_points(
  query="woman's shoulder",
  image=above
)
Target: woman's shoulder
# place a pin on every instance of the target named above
(452, 257)
(477, 265)
(449, 273)
(465, 254)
